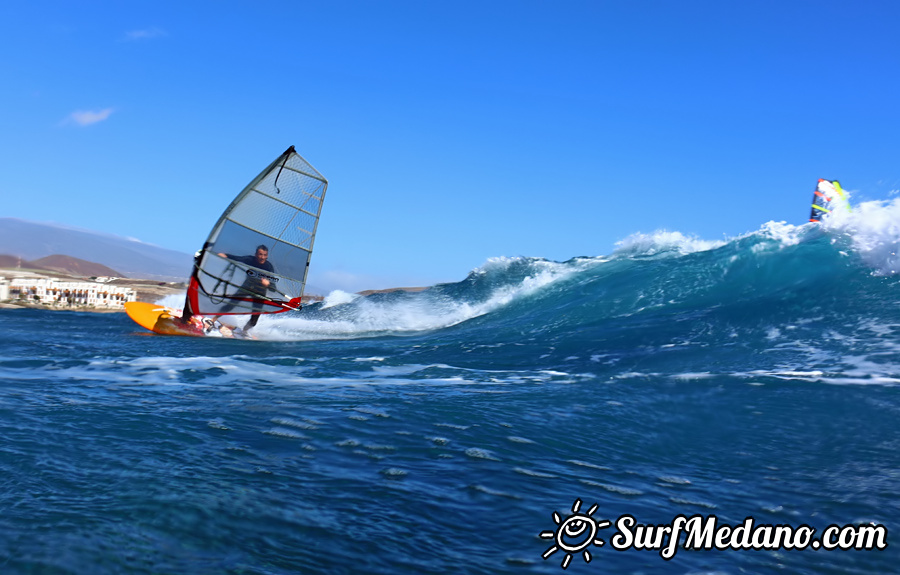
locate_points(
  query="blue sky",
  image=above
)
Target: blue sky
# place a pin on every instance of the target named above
(449, 132)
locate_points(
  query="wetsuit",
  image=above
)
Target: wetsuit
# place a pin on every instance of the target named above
(252, 285)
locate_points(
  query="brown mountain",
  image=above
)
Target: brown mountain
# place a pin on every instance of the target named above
(8, 262)
(131, 258)
(74, 266)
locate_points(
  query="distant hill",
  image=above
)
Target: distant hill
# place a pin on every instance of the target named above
(133, 259)
(75, 267)
(66, 265)
(13, 262)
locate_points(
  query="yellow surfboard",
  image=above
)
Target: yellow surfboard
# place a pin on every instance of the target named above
(159, 319)
(166, 321)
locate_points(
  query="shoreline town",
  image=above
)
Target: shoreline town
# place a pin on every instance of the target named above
(36, 289)
(24, 288)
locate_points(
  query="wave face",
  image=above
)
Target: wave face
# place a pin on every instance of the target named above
(810, 301)
(439, 431)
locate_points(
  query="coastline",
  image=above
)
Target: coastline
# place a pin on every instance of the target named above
(145, 290)
(307, 299)
(9, 306)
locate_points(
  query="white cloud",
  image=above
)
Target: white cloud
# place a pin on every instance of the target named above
(145, 34)
(88, 117)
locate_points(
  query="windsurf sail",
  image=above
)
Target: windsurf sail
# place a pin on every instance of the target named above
(827, 197)
(256, 258)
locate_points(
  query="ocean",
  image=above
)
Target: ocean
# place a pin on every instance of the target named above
(463, 429)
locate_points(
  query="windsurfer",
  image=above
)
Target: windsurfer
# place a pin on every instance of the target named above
(256, 283)
(278, 211)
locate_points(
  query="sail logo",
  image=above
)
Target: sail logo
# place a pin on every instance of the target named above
(577, 532)
(256, 274)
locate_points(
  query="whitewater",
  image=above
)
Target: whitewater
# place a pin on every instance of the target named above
(440, 431)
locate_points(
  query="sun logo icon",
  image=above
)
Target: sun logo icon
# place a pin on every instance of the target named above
(575, 534)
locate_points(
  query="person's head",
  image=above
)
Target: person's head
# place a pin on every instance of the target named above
(262, 253)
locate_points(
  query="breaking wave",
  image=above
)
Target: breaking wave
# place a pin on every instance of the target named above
(789, 301)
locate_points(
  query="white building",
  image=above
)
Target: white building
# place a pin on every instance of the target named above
(52, 291)
(4, 288)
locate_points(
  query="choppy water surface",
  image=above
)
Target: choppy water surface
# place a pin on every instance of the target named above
(438, 432)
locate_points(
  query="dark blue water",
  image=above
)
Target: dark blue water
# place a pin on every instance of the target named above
(438, 432)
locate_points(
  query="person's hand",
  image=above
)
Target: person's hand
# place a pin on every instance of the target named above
(264, 282)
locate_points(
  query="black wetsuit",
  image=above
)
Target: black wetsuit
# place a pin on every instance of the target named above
(252, 285)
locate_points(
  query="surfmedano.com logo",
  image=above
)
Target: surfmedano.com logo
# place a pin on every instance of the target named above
(579, 531)
(575, 534)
